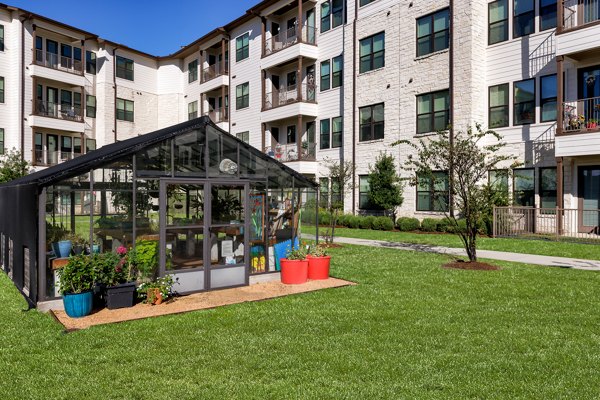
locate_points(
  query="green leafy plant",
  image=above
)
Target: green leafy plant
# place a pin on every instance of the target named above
(407, 224)
(164, 286)
(318, 250)
(297, 254)
(385, 188)
(77, 276)
(13, 166)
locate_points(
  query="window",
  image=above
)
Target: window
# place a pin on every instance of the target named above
(1, 89)
(193, 71)
(337, 72)
(242, 47)
(125, 110)
(433, 112)
(365, 2)
(524, 187)
(242, 96)
(124, 68)
(324, 192)
(90, 62)
(547, 14)
(548, 98)
(548, 188)
(325, 75)
(66, 147)
(337, 128)
(90, 145)
(1, 37)
(371, 122)
(332, 14)
(498, 21)
(363, 192)
(2, 141)
(433, 32)
(432, 192)
(498, 180)
(336, 194)
(291, 134)
(90, 106)
(243, 136)
(193, 110)
(524, 18)
(77, 146)
(524, 102)
(372, 52)
(325, 141)
(498, 112)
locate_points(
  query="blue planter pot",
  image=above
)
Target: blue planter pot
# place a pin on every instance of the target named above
(96, 249)
(56, 250)
(64, 248)
(79, 304)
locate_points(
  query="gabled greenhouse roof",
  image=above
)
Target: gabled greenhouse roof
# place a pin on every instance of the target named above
(115, 151)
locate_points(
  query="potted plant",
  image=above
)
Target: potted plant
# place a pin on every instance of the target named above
(294, 268)
(318, 262)
(76, 283)
(78, 243)
(591, 123)
(120, 284)
(156, 291)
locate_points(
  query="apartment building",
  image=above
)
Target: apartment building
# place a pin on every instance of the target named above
(317, 80)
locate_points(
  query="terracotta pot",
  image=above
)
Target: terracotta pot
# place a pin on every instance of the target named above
(293, 272)
(318, 267)
(154, 296)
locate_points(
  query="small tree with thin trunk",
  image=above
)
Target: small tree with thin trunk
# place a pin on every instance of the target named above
(385, 190)
(470, 157)
(12, 166)
(340, 174)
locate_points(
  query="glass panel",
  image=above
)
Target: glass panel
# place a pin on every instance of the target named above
(423, 26)
(498, 11)
(498, 32)
(227, 205)
(424, 104)
(440, 101)
(222, 154)
(185, 205)
(499, 95)
(258, 235)
(378, 113)
(524, 179)
(378, 42)
(441, 21)
(523, 6)
(549, 87)
(155, 160)
(189, 154)
(591, 195)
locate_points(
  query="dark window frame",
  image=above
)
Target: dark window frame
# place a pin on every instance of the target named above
(433, 111)
(544, 192)
(337, 136)
(506, 106)
(90, 111)
(373, 124)
(544, 11)
(529, 193)
(125, 71)
(546, 100)
(432, 34)
(516, 17)
(192, 71)
(334, 16)
(515, 103)
(325, 135)
(363, 3)
(363, 197)
(124, 114)
(325, 79)
(2, 141)
(372, 55)
(243, 136)
(291, 134)
(2, 30)
(243, 101)
(337, 76)
(193, 114)
(2, 89)
(243, 52)
(502, 21)
(90, 145)
(324, 192)
(433, 194)
(90, 62)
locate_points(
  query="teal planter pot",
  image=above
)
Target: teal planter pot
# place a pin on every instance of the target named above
(79, 304)
(64, 248)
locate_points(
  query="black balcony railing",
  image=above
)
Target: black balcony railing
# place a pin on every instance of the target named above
(289, 152)
(213, 71)
(60, 111)
(290, 94)
(580, 12)
(61, 63)
(290, 37)
(581, 115)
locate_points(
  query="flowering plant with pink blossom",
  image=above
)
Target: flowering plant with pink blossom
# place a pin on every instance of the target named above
(115, 268)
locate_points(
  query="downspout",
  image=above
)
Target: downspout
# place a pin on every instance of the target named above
(354, 107)
(451, 128)
(22, 72)
(115, 92)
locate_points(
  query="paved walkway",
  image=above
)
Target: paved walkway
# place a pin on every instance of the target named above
(562, 262)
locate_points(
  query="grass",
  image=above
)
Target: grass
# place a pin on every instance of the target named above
(410, 329)
(526, 246)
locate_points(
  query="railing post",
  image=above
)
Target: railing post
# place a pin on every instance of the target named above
(494, 222)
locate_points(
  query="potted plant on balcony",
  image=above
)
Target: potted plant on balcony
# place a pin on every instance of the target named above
(318, 262)
(294, 268)
(76, 283)
(591, 123)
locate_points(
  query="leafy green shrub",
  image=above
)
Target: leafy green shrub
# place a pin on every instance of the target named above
(343, 219)
(407, 224)
(376, 224)
(77, 276)
(146, 258)
(429, 224)
(366, 222)
(354, 222)
(324, 218)
(385, 223)
(445, 225)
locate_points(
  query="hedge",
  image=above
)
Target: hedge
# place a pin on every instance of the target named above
(407, 224)
(430, 224)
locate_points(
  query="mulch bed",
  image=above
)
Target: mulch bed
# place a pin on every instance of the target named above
(478, 266)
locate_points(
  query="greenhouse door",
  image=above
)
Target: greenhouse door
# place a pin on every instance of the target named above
(202, 234)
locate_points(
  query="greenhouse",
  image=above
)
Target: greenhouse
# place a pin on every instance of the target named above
(215, 208)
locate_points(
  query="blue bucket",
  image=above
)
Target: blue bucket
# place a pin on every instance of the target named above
(64, 248)
(79, 304)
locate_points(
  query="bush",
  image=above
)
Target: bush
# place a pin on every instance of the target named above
(385, 223)
(445, 225)
(354, 221)
(429, 224)
(324, 218)
(343, 219)
(366, 222)
(406, 224)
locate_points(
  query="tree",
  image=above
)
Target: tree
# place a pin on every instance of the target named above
(340, 174)
(472, 155)
(385, 190)
(12, 166)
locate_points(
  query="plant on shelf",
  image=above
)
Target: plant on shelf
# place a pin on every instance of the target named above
(77, 279)
(157, 290)
(318, 262)
(78, 243)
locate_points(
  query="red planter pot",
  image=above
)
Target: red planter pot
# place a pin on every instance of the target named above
(318, 267)
(293, 272)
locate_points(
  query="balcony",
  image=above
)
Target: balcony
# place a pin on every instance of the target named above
(289, 103)
(578, 13)
(54, 61)
(579, 134)
(288, 45)
(214, 71)
(53, 157)
(57, 116)
(289, 152)
(580, 27)
(218, 115)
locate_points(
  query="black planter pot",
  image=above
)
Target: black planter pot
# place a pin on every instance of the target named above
(120, 296)
(99, 296)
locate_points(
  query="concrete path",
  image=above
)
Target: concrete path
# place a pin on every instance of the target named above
(562, 262)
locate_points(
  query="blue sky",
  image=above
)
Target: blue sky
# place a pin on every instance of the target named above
(141, 24)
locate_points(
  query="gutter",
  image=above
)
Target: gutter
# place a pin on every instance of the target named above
(354, 107)
(115, 92)
(451, 130)
(22, 72)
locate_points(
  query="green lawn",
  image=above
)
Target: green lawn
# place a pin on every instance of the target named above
(410, 329)
(527, 246)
